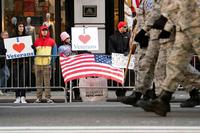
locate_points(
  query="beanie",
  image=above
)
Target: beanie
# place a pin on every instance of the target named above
(64, 35)
(121, 24)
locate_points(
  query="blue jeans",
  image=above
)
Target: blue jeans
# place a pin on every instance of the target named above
(4, 75)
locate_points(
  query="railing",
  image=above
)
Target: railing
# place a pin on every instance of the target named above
(57, 81)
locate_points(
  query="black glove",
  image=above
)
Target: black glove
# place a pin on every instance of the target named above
(160, 23)
(140, 35)
(4, 51)
(144, 42)
(164, 34)
(32, 46)
(126, 53)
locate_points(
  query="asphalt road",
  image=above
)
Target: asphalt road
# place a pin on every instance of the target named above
(106, 114)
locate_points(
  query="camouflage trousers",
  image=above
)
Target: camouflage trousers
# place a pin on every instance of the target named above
(187, 43)
(146, 64)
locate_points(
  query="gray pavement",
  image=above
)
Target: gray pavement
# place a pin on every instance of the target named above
(59, 96)
(93, 117)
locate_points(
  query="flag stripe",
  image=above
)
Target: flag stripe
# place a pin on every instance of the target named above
(88, 74)
(90, 66)
(84, 65)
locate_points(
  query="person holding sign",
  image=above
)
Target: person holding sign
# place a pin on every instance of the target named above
(66, 50)
(20, 69)
(45, 47)
(119, 43)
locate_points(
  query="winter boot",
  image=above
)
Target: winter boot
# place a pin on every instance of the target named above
(193, 101)
(132, 99)
(160, 105)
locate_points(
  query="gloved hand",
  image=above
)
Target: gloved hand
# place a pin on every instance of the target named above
(126, 53)
(139, 36)
(144, 42)
(32, 46)
(4, 50)
(164, 34)
(160, 23)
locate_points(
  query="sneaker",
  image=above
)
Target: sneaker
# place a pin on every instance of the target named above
(49, 101)
(1, 93)
(23, 100)
(38, 101)
(18, 100)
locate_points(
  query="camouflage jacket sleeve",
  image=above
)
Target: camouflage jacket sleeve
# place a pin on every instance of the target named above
(144, 9)
(153, 15)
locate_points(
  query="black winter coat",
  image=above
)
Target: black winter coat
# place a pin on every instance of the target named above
(119, 43)
(2, 52)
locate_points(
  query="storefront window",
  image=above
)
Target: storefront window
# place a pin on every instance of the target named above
(63, 23)
(116, 14)
(21, 9)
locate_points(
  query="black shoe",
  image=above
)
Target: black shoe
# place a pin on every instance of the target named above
(132, 99)
(160, 105)
(193, 101)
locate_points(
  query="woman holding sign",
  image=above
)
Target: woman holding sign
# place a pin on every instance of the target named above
(20, 68)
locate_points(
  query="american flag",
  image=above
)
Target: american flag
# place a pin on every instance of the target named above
(85, 65)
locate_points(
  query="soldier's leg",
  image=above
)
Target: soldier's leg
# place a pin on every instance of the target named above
(145, 71)
(194, 96)
(136, 95)
(176, 65)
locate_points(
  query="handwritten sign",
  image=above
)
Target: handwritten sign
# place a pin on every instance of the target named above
(18, 47)
(85, 38)
(120, 61)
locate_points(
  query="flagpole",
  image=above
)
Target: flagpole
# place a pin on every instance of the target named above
(132, 45)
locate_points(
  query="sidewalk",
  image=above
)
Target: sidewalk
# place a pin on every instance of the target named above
(59, 97)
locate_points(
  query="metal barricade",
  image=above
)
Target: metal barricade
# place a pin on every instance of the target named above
(23, 68)
(57, 81)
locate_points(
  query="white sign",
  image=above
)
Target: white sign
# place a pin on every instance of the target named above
(120, 61)
(85, 38)
(18, 47)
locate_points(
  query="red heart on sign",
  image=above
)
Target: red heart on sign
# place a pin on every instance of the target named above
(18, 47)
(84, 38)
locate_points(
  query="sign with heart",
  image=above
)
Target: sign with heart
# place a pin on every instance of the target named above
(18, 47)
(85, 38)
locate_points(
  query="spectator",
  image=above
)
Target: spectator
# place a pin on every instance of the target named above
(66, 50)
(4, 71)
(119, 43)
(44, 46)
(20, 69)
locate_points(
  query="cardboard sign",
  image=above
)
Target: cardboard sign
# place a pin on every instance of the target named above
(120, 61)
(18, 47)
(85, 38)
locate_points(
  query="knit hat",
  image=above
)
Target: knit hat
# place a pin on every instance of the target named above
(44, 27)
(64, 35)
(121, 24)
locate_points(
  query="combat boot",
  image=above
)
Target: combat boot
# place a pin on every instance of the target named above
(160, 105)
(150, 95)
(193, 101)
(132, 99)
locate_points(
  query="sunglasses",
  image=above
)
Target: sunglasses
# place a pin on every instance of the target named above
(125, 27)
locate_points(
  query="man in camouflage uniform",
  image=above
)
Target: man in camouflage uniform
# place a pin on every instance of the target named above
(186, 44)
(144, 9)
(155, 60)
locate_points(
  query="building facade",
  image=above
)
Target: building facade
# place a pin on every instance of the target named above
(64, 14)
